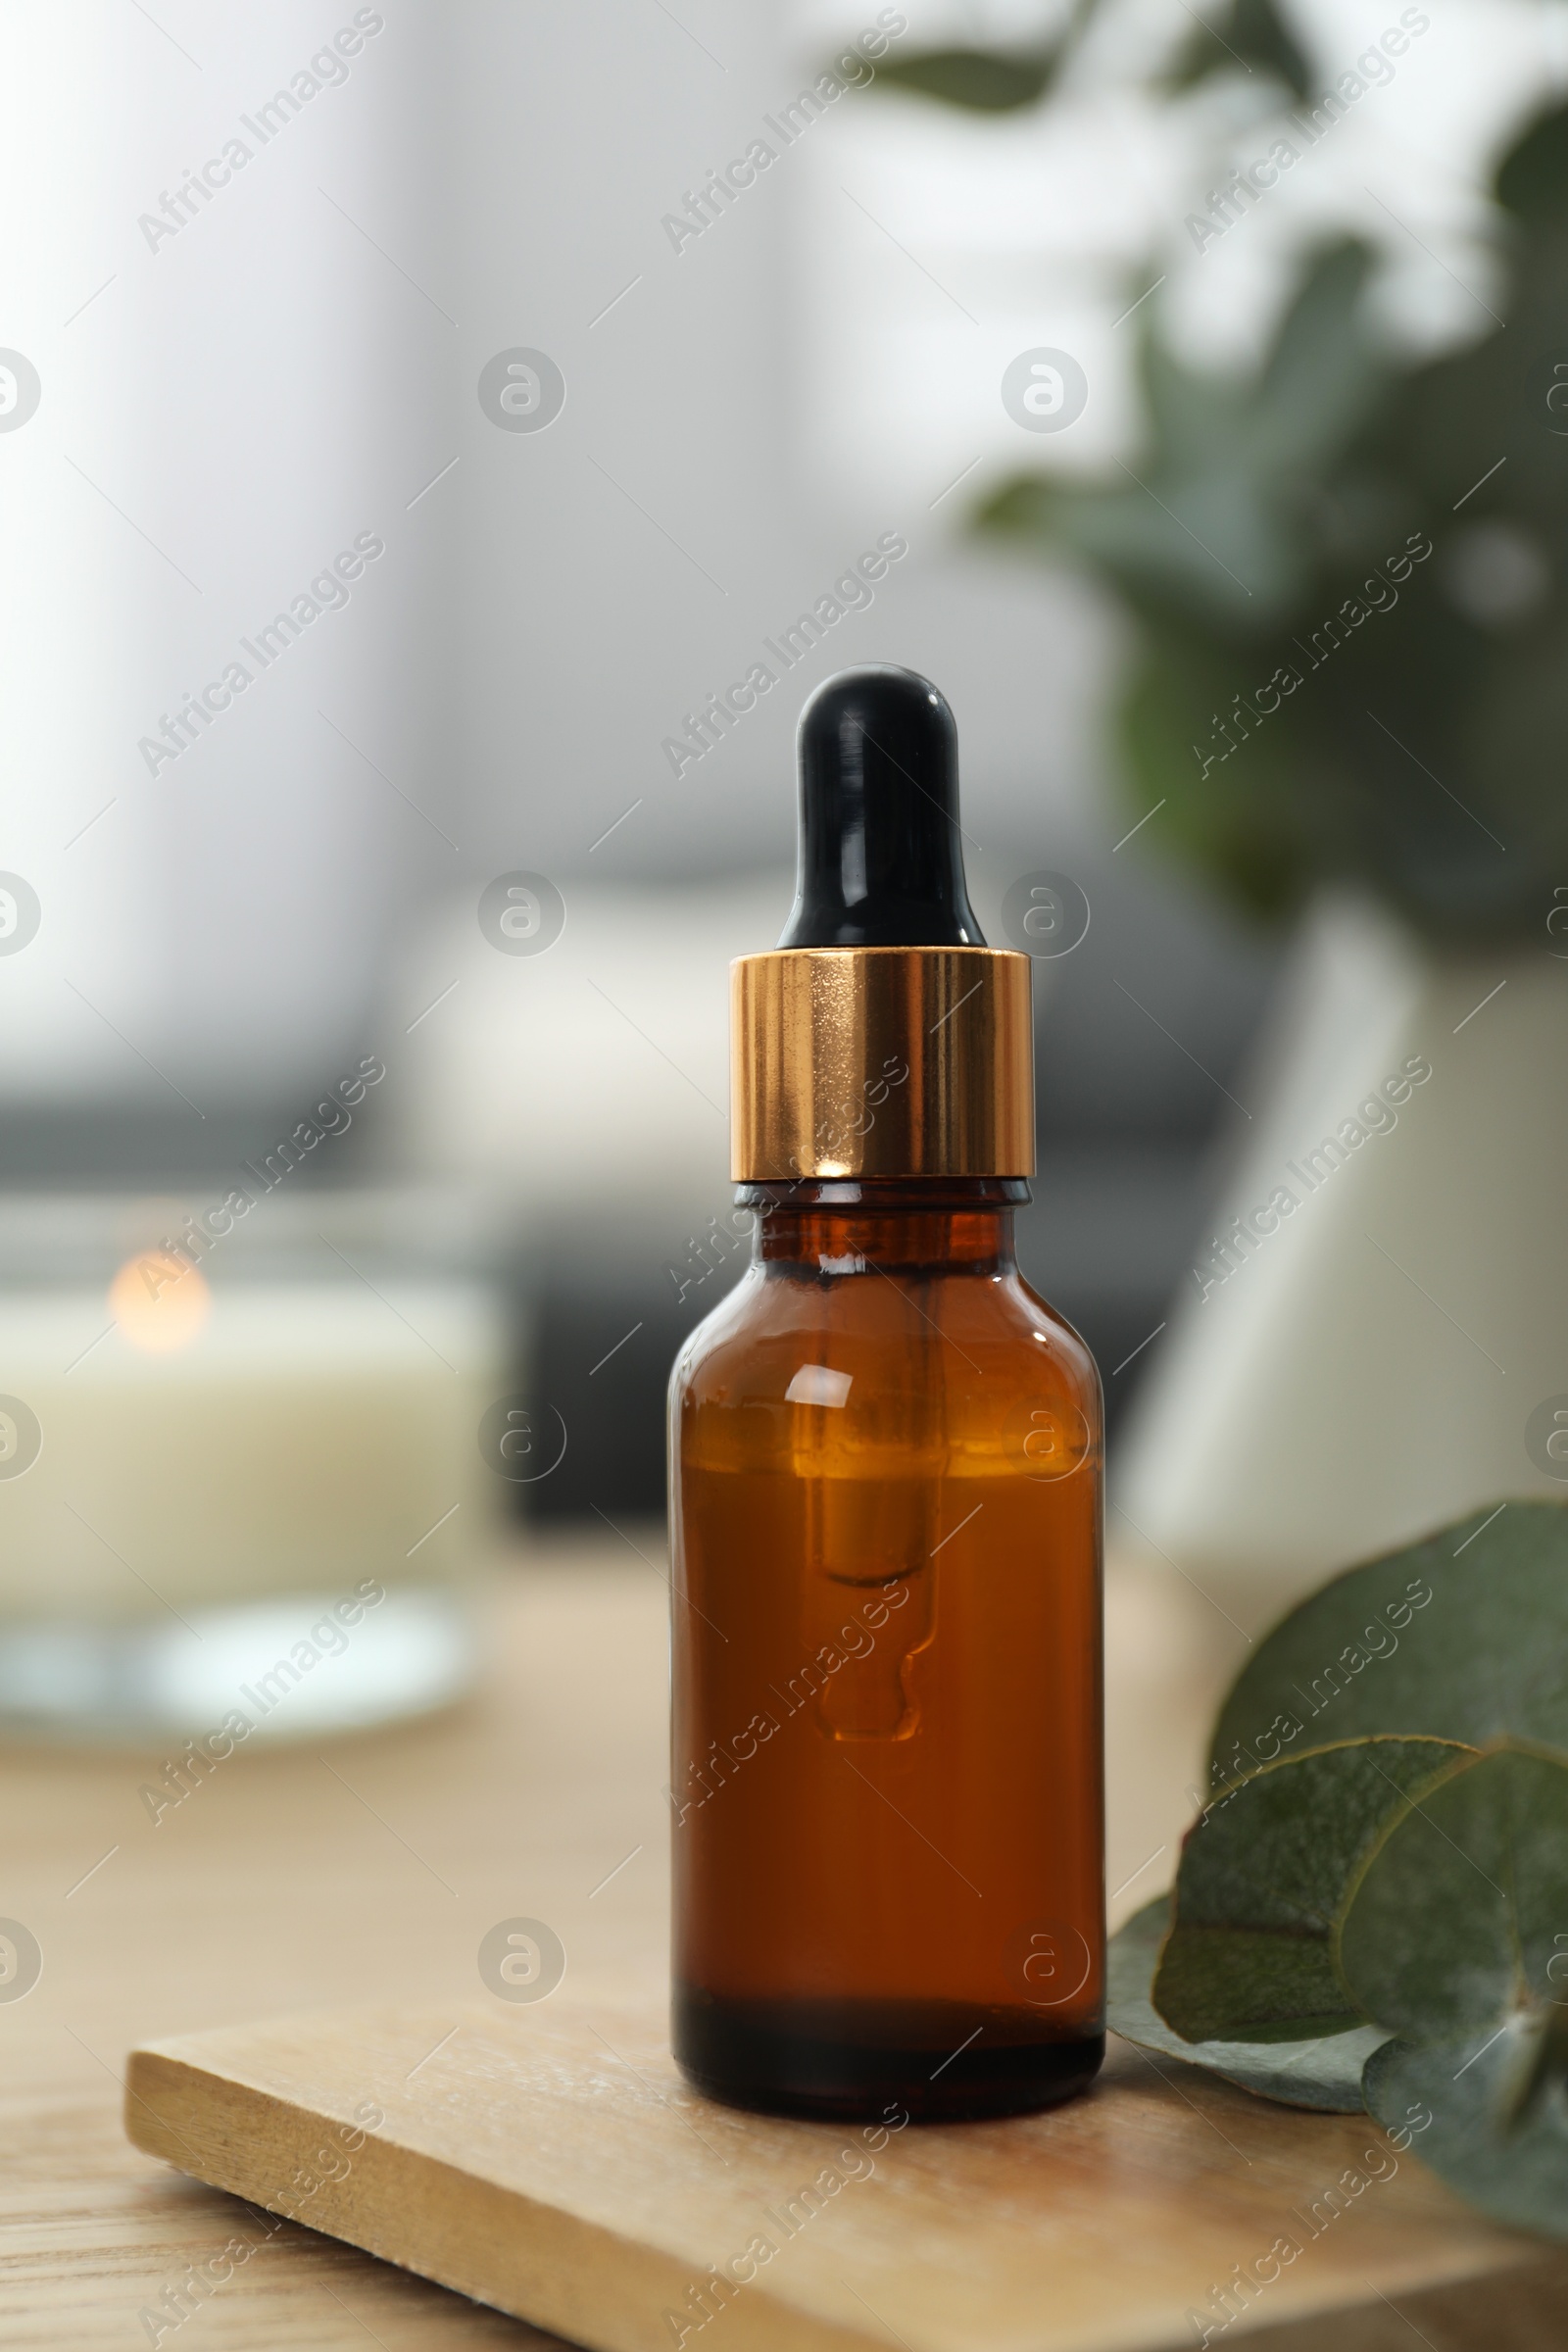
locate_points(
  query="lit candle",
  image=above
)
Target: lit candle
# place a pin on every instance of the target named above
(190, 1446)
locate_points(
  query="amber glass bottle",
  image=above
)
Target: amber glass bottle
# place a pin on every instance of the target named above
(886, 1501)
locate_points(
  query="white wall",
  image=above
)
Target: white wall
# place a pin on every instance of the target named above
(221, 414)
(224, 409)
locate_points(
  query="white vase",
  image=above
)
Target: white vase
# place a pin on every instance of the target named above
(1367, 1369)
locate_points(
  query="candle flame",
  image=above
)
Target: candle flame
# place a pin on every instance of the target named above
(160, 1301)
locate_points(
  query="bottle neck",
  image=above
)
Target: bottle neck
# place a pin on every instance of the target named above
(950, 1225)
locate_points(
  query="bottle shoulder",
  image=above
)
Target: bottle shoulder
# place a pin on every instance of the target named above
(725, 1324)
(960, 1331)
(1066, 1338)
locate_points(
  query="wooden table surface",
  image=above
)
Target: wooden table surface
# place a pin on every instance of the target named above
(367, 1870)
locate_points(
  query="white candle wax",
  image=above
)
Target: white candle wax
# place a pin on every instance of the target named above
(302, 1435)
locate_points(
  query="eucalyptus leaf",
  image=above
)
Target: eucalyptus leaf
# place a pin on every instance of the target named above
(984, 82)
(1460, 1914)
(1532, 181)
(1459, 2100)
(1456, 1935)
(1214, 530)
(1257, 35)
(1262, 1879)
(1257, 831)
(1327, 372)
(1463, 1637)
(1324, 2074)
(992, 82)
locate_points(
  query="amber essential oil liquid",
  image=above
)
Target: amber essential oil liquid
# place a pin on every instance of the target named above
(887, 1771)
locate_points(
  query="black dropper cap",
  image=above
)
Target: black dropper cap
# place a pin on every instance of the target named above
(880, 862)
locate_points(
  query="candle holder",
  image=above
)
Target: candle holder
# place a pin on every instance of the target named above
(241, 1491)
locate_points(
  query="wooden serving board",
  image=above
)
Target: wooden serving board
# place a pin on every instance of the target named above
(548, 2161)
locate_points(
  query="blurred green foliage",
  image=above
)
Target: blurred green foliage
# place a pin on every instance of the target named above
(986, 83)
(989, 81)
(994, 81)
(1255, 37)
(1311, 698)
